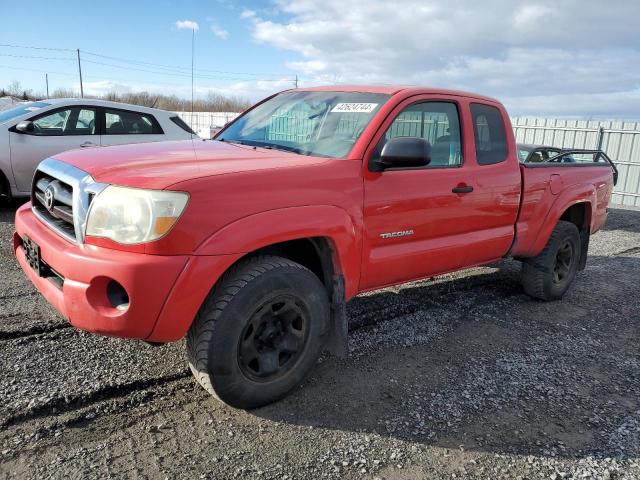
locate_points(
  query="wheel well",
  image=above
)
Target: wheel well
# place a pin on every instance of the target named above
(5, 189)
(314, 253)
(578, 214)
(318, 254)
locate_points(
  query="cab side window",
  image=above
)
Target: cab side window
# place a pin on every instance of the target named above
(436, 122)
(537, 157)
(490, 134)
(547, 154)
(69, 121)
(123, 122)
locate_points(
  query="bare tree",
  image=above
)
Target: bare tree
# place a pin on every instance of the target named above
(214, 102)
(14, 89)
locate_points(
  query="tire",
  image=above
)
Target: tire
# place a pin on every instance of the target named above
(260, 331)
(549, 275)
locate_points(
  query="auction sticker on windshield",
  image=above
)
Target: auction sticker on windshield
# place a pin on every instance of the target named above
(354, 108)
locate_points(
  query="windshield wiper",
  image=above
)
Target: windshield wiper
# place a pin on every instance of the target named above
(239, 142)
(276, 146)
(268, 146)
(283, 148)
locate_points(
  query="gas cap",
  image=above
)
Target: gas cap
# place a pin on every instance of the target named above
(555, 182)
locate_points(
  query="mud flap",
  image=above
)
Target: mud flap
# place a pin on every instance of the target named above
(584, 248)
(338, 339)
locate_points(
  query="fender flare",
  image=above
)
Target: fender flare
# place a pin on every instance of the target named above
(262, 229)
(572, 195)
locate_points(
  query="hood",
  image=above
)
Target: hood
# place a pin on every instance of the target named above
(161, 164)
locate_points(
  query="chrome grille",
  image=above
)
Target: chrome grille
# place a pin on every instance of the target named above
(61, 195)
(53, 200)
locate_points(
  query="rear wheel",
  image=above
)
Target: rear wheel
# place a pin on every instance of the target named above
(549, 275)
(260, 331)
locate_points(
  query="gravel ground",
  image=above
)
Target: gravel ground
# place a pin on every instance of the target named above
(461, 376)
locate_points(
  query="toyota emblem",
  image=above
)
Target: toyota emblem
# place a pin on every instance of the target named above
(48, 197)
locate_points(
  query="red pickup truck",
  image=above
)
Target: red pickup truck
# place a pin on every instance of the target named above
(251, 244)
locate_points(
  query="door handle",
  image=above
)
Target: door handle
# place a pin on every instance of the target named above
(87, 144)
(462, 189)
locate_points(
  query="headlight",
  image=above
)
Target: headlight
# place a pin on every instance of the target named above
(132, 215)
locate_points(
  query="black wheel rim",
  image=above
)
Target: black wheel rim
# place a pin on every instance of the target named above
(562, 266)
(273, 340)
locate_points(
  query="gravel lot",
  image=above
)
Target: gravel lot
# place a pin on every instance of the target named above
(462, 376)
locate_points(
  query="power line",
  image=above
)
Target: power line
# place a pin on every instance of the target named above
(9, 45)
(148, 67)
(171, 69)
(35, 57)
(99, 77)
(123, 67)
(179, 69)
(11, 67)
(178, 74)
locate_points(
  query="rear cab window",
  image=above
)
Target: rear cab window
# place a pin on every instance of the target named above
(490, 134)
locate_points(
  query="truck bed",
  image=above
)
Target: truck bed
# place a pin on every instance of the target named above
(547, 190)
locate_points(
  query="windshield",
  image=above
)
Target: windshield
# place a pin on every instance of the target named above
(21, 110)
(325, 124)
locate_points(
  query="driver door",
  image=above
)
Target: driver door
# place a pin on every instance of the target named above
(417, 219)
(53, 132)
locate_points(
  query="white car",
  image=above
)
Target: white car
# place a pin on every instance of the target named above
(34, 131)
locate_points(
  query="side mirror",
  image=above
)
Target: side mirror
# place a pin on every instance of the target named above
(403, 152)
(25, 126)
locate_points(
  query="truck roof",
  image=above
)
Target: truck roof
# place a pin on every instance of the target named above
(395, 89)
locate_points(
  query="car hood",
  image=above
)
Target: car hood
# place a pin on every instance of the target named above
(162, 164)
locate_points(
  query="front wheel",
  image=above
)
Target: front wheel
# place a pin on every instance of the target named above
(549, 275)
(260, 331)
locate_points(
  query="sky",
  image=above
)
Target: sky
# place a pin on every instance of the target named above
(560, 58)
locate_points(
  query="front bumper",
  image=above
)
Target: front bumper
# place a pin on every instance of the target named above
(165, 292)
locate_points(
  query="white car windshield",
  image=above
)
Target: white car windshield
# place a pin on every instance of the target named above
(21, 110)
(325, 124)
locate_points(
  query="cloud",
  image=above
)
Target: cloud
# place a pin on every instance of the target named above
(516, 50)
(187, 25)
(530, 15)
(616, 105)
(219, 32)
(102, 87)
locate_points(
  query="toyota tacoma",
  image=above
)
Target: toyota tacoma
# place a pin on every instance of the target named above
(250, 244)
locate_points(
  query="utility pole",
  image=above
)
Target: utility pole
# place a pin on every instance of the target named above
(296, 81)
(46, 79)
(80, 72)
(193, 48)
